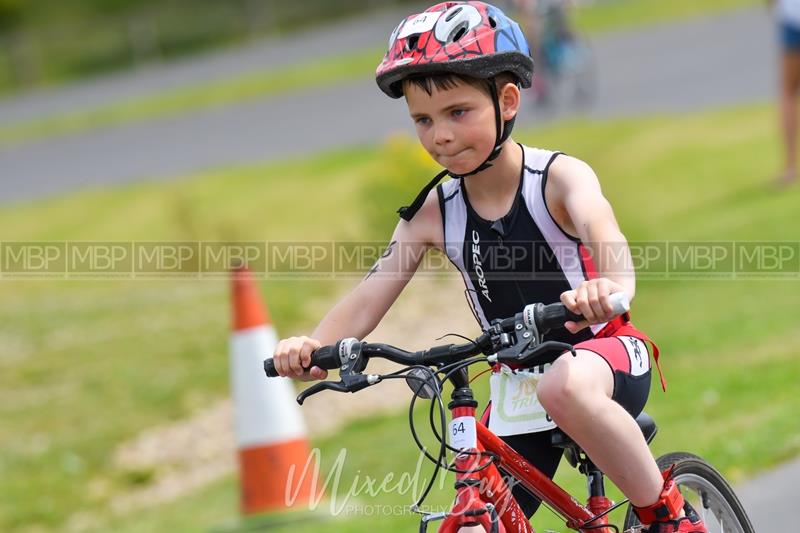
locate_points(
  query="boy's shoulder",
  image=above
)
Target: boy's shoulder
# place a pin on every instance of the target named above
(567, 176)
(537, 160)
(426, 226)
(567, 167)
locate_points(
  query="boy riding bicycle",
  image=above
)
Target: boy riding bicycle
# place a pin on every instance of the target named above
(460, 66)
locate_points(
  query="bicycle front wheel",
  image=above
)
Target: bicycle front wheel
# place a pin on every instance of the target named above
(707, 491)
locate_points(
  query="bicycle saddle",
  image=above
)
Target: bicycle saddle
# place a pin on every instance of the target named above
(561, 440)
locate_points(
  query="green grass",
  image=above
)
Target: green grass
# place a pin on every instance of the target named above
(85, 366)
(610, 15)
(593, 18)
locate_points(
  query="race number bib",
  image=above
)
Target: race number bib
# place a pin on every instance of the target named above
(419, 24)
(463, 434)
(515, 405)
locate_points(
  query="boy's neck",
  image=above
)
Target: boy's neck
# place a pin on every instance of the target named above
(496, 183)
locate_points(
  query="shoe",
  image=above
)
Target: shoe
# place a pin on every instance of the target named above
(691, 523)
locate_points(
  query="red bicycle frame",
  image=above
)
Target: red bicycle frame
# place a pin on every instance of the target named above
(478, 486)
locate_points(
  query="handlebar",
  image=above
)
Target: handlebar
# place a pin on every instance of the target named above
(539, 317)
(339, 355)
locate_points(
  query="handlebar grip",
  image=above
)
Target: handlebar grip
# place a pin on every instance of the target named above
(325, 357)
(269, 368)
(553, 316)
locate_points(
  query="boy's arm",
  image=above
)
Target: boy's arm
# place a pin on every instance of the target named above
(360, 311)
(576, 201)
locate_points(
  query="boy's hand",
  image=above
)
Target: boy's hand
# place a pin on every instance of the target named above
(591, 300)
(294, 353)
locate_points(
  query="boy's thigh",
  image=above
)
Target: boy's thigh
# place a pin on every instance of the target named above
(626, 362)
(575, 376)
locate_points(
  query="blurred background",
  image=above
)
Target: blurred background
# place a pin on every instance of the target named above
(178, 121)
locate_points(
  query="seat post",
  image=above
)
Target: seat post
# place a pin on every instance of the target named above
(596, 481)
(598, 503)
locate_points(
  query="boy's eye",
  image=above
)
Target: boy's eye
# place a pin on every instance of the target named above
(422, 121)
(459, 112)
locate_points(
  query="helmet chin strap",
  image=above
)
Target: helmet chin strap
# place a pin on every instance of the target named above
(502, 133)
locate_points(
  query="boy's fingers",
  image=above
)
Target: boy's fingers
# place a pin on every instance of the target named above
(294, 360)
(318, 373)
(603, 292)
(594, 302)
(584, 308)
(575, 327)
(276, 358)
(305, 354)
(568, 299)
(281, 360)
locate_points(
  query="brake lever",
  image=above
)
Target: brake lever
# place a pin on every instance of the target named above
(319, 387)
(348, 383)
(529, 355)
(513, 341)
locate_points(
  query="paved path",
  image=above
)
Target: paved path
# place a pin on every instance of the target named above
(673, 67)
(770, 499)
(348, 35)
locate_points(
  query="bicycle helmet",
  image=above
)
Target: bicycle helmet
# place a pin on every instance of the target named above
(463, 38)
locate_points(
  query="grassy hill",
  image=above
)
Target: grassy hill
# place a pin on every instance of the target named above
(87, 365)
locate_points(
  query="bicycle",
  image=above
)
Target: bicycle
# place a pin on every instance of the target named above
(483, 497)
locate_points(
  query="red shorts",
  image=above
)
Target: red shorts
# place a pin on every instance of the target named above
(624, 349)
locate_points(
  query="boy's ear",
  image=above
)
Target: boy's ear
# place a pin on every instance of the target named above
(509, 100)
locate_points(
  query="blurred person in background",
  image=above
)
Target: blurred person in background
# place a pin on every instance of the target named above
(788, 19)
(554, 44)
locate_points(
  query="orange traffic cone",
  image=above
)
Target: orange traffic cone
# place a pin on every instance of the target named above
(270, 431)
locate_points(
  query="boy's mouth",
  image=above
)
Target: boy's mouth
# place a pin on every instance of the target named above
(455, 154)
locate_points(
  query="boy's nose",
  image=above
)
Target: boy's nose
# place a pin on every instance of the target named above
(442, 135)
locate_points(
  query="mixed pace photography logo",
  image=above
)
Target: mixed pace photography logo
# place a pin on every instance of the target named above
(328, 260)
(362, 494)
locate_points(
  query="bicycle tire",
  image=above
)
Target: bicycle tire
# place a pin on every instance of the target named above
(706, 490)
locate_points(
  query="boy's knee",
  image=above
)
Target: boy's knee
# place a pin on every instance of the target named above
(568, 384)
(557, 387)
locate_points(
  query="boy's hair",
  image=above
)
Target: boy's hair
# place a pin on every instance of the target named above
(445, 81)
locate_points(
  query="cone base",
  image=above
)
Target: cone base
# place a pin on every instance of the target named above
(264, 476)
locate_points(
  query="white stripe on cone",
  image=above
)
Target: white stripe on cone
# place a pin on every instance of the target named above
(266, 411)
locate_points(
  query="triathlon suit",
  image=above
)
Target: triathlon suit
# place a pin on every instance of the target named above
(525, 257)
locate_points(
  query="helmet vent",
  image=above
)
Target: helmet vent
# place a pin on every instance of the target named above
(492, 22)
(452, 14)
(458, 34)
(456, 22)
(411, 42)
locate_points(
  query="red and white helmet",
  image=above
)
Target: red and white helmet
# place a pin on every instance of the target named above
(467, 38)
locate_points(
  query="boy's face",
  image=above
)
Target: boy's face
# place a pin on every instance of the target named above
(456, 126)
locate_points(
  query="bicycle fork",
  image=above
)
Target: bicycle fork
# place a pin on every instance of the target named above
(470, 508)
